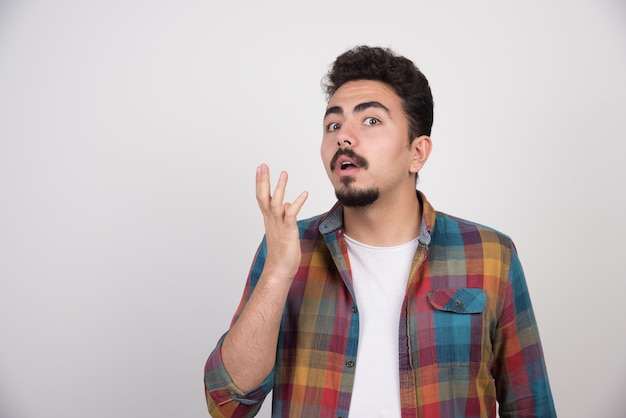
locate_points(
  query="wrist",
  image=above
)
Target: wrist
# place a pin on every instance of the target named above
(275, 278)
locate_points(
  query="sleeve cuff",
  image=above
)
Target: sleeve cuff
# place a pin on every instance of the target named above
(221, 388)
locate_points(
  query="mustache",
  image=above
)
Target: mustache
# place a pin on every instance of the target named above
(360, 161)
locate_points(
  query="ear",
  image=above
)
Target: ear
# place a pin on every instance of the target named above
(420, 150)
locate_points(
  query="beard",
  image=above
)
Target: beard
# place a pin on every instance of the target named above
(355, 198)
(349, 196)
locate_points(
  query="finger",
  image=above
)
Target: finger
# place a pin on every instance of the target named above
(292, 210)
(279, 193)
(263, 186)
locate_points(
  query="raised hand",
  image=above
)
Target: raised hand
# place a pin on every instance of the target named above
(249, 348)
(281, 229)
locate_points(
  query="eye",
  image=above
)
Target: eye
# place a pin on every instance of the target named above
(371, 121)
(332, 127)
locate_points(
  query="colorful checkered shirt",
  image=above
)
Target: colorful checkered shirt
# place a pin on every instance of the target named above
(467, 334)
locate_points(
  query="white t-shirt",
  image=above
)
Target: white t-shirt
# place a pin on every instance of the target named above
(380, 276)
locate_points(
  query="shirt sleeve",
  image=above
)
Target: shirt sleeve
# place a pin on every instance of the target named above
(522, 386)
(224, 398)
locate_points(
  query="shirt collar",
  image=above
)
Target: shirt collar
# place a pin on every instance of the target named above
(333, 220)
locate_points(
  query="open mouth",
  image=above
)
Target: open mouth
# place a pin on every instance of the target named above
(346, 166)
(346, 160)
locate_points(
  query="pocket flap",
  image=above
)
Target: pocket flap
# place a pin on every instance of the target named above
(466, 300)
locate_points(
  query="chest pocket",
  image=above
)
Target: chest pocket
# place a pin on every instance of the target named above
(463, 301)
(458, 325)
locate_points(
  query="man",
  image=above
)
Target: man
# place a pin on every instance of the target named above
(381, 307)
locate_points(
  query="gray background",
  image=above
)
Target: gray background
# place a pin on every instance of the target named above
(129, 136)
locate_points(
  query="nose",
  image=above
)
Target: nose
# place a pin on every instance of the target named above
(346, 137)
(344, 142)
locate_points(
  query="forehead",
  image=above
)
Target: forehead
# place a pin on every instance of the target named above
(361, 91)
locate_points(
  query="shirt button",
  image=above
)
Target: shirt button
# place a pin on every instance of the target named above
(354, 309)
(458, 304)
(349, 364)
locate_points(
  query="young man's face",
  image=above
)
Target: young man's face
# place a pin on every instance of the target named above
(365, 147)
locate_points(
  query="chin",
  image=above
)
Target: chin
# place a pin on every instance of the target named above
(354, 198)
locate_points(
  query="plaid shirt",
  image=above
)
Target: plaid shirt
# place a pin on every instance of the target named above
(467, 334)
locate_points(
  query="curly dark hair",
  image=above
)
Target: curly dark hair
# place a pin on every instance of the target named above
(399, 73)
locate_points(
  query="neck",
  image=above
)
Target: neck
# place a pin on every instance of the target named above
(385, 224)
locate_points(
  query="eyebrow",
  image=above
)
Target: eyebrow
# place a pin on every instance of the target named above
(337, 110)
